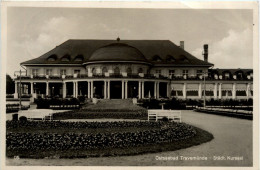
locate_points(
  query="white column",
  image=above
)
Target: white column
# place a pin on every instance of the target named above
(16, 90)
(92, 88)
(219, 91)
(88, 89)
(168, 94)
(47, 88)
(184, 90)
(31, 88)
(143, 89)
(234, 91)
(123, 86)
(215, 90)
(158, 90)
(247, 90)
(126, 89)
(64, 92)
(155, 90)
(76, 89)
(200, 90)
(139, 90)
(108, 89)
(105, 89)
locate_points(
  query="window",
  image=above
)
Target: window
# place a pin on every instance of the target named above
(52, 57)
(239, 75)
(156, 58)
(140, 70)
(227, 75)
(94, 71)
(79, 58)
(35, 72)
(171, 73)
(158, 72)
(185, 72)
(251, 75)
(48, 72)
(129, 71)
(117, 71)
(199, 73)
(77, 72)
(62, 72)
(104, 70)
(65, 58)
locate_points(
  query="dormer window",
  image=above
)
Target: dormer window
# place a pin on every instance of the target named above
(251, 75)
(52, 58)
(65, 58)
(183, 58)
(170, 58)
(157, 58)
(79, 58)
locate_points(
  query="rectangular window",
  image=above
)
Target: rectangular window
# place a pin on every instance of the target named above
(226, 75)
(199, 73)
(185, 72)
(76, 71)
(49, 72)
(158, 72)
(62, 72)
(35, 72)
(171, 73)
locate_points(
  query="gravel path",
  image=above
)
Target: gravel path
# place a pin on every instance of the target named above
(232, 137)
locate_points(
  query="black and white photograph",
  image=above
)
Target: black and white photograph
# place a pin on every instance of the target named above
(130, 84)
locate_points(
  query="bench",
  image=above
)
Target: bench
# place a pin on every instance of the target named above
(42, 114)
(173, 115)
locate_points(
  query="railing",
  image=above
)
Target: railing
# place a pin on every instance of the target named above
(174, 115)
(113, 75)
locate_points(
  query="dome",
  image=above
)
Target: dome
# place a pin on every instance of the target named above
(117, 52)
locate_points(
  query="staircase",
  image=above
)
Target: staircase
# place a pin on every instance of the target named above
(107, 104)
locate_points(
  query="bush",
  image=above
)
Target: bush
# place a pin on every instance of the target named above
(97, 114)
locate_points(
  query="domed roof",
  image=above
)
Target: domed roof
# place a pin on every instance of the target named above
(117, 52)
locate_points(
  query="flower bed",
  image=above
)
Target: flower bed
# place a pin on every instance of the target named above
(40, 144)
(97, 114)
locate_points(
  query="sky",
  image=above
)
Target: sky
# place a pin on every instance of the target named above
(33, 31)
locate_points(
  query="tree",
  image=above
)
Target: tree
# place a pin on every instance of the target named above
(9, 85)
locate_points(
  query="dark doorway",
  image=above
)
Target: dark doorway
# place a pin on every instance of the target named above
(83, 88)
(163, 90)
(98, 89)
(55, 89)
(148, 89)
(132, 89)
(115, 89)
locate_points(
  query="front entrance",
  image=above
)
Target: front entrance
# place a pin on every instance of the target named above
(116, 89)
(132, 89)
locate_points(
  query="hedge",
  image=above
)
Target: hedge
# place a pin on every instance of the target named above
(45, 103)
(97, 114)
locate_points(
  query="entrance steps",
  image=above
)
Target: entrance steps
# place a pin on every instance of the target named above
(107, 104)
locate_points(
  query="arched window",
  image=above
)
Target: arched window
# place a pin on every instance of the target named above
(170, 58)
(140, 70)
(52, 58)
(78, 58)
(116, 71)
(157, 58)
(94, 71)
(129, 71)
(65, 58)
(104, 70)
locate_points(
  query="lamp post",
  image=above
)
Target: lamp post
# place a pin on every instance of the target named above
(20, 87)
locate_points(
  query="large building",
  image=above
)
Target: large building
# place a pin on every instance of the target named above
(121, 69)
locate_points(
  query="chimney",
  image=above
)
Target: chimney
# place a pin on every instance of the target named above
(182, 44)
(206, 52)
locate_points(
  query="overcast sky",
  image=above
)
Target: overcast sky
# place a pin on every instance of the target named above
(35, 31)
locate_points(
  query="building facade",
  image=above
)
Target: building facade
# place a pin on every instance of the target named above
(122, 69)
